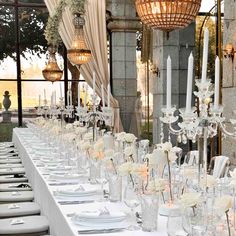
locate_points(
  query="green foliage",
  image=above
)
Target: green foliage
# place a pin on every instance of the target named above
(31, 24)
(77, 6)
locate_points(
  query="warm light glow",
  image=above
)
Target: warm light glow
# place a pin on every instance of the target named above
(79, 54)
(167, 15)
(52, 71)
(229, 48)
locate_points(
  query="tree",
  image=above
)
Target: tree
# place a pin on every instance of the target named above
(31, 31)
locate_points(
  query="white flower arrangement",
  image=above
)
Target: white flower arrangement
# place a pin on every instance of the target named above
(156, 186)
(69, 127)
(109, 153)
(120, 136)
(190, 199)
(88, 136)
(125, 168)
(129, 138)
(129, 151)
(223, 204)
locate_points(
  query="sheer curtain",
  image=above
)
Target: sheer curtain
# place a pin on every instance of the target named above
(96, 39)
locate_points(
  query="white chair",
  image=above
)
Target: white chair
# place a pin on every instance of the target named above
(10, 161)
(15, 187)
(30, 226)
(192, 158)
(16, 196)
(221, 166)
(12, 171)
(11, 165)
(19, 209)
(12, 179)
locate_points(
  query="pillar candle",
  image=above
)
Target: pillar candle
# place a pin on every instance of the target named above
(68, 97)
(60, 91)
(168, 87)
(39, 100)
(205, 56)
(44, 94)
(85, 95)
(190, 84)
(103, 101)
(217, 82)
(78, 94)
(108, 95)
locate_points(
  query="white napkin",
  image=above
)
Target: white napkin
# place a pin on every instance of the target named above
(13, 206)
(17, 222)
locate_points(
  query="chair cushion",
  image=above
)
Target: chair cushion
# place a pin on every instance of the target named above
(10, 161)
(19, 209)
(15, 187)
(12, 171)
(10, 165)
(12, 179)
(32, 224)
(20, 196)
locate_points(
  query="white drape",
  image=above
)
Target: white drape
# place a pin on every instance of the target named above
(96, 40)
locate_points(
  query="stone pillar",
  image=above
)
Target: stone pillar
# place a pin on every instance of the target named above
(123, 25)
(229, 78)
(179, 46)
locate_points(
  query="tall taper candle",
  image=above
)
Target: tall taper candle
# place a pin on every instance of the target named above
(78, 94)
(103, 101)
(168, 86)
(108, 96)
(85, 95)
(217, 83)
(205, 55)
(44, 94)
(68, 97)
(60, 91)
(39, 100)
(190, 84)
(94, 79)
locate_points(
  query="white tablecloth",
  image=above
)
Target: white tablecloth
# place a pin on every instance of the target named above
(60, 223)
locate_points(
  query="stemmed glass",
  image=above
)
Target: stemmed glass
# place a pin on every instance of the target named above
(131, 199)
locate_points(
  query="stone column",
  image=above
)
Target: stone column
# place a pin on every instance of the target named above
(123, 25)
(229, 78)
(179, 46)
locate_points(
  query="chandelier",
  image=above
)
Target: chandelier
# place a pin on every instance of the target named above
(52, 72)
(79, 54)
(167, 15)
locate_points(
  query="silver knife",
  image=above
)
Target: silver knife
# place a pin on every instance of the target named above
(75, 202)
(100, 231)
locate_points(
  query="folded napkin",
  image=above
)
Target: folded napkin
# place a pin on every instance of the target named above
(13, 206)
(17, 222)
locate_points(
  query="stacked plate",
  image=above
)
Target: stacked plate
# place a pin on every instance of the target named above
(99, 220)
(72, 178)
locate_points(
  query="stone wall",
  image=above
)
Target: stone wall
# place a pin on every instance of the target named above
(229, 76)
(179, 46)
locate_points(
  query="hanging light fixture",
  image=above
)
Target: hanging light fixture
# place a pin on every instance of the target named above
(167, 15)
(79, 54)
(52, 72)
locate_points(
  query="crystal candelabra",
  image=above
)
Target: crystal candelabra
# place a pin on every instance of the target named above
(204, 123)
(43, 110)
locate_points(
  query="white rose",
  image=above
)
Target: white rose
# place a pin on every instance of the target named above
(190, 199)
(157, 185)
(167, 146)
(139, 169)
(109, 153)
(209, 182)
(88, 136)
(69, 126)
(125, 168)
(99, 146)
(76, 123)
(223, 204)
(172, 156)
(233, 174)
(129, 138)
(129, 151)
(152, 160)
(120, 136)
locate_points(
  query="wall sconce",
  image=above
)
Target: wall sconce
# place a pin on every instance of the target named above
(155, 70)
(229, 51)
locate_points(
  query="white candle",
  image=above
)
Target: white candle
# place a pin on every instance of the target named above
(78, 94)
(205, 55)
(85, 95)
(190, 84)
(39, 100)
(168, 85)
(60, 91)
(108, 96)
(94, 79)
(55, 98)
(217, 82)
(68, 97)
(103, 101)
(44, 94)
(52, 100)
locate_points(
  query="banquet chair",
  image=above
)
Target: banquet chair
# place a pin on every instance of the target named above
(19, 209)
(13, 179)
(192, 158)
(220, 166)
(16, 196)
(10, 160)
(12, 171)
(11, 165)
(24, 226)
(9, 187)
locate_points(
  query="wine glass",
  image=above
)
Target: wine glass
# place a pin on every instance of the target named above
(131, 199)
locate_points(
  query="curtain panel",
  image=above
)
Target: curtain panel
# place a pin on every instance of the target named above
(96, 40)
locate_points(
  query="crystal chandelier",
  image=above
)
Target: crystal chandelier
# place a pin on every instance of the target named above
(52, 72)
(167, 15)
(79, 54)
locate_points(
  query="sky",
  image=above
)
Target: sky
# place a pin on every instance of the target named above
(207, 5)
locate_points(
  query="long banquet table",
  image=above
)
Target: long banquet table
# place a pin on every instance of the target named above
(60, 223)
